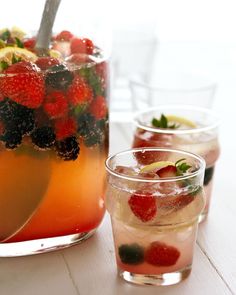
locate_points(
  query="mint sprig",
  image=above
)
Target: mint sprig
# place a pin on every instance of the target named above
(163, 123)
(181, 167)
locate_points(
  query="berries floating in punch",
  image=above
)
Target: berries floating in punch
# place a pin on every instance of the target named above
(131, 254)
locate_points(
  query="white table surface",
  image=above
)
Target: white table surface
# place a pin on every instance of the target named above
(89, 268)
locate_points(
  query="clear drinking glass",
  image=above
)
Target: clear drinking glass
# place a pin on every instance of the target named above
(53, 135)
(154, 219)
(197, 133)
(172, 88)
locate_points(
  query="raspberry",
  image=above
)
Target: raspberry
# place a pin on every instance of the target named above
(79, 92)
(131, 254)
(68, 149)
(55, 104)
(81, 45)
(143, 206)
(98, 107)
(64, 36)
(59, 77)
(46, 62)
(160, 254)
(43, 137)
(23, 84)
(65, 128)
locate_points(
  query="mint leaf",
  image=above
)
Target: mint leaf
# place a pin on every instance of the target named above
(3, 65)
(181, 166)
(15, 59)
(19, 43)
(5, 35)
(163, 123)
(93, 80)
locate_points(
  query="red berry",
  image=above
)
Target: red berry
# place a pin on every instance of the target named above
(143, 206)
(55, 104)
(161, 254)
(167, 171)
(79, 92)
(64, 36)
(46, 62)
(98, 107)
(30, 43)
(24, 84)
(81, 45)
(65, 127)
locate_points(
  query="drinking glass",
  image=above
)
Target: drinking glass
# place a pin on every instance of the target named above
(172, 88)
(154, 220)
(200, 136)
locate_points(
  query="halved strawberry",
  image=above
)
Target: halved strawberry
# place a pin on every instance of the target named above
(167, 171)
(81, 45)
(23, 83)
(46, 62)
(143, 206)
(161, 254)
(29, 43)
(79, 92)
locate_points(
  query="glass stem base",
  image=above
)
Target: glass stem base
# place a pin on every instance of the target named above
(165, 279)
(33, 247)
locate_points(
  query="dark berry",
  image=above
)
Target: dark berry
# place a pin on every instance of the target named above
(91, 130)
(131, 254)
(208, 175)
(43, 137)
(12, 139)
(59, 77)
(68, 149)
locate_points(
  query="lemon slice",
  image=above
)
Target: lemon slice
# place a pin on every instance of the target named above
(7, 53)
(156, 165)
(181, 120)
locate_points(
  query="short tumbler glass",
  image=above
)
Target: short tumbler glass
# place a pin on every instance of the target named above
(154, 220)
(199, 136)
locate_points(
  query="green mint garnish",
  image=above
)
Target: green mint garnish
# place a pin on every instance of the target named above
(19, 43)
(3, 65)
(181, 167)
(163, 123)
(5, 35)
(15, 59)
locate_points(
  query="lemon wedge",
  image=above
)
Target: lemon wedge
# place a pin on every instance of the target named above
(156, 165)
(7, 53)
(181, 120)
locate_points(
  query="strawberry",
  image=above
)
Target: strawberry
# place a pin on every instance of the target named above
(23, 84)
(161, 254)
(55, 104)
(81, 45)
(46, 62)
(29, 43)
(65, 127)
(64, 36)
(98, 107)
(167, 171)
(79, 92)
(143, 206)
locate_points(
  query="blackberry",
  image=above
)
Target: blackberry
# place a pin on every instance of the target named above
(91, 130)
(17, 117)
(12, 139)
(208, 175)
(59, 77)
(43, 137)
(131, 254)
(68, 148)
